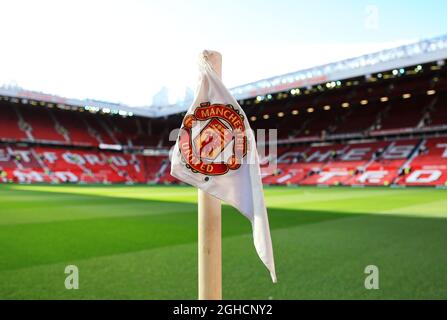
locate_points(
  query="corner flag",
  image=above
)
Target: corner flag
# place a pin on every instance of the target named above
(216, 152)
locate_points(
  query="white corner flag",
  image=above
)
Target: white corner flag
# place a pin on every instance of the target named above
(216, 152)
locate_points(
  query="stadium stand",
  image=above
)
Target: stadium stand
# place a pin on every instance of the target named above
(429, 165)
(42, 125)
(11, 126)
(377, 130)
(61, 165)
(77, 129)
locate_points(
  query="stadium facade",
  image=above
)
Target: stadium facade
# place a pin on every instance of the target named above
(380, 119)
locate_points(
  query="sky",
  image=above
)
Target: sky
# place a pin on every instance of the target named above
(126, 51)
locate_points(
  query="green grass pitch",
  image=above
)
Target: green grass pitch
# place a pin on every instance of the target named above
(140, 242)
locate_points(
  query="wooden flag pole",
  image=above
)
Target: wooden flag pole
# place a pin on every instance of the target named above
(210, 226)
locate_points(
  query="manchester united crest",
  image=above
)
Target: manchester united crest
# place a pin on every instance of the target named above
(212, 139)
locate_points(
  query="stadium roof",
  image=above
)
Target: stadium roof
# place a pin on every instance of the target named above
(24, 96)
(404, 56)
(408, 55)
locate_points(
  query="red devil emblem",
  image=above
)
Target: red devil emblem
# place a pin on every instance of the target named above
(212, 140)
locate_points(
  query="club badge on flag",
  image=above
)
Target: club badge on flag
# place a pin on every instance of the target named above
(216, 152)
